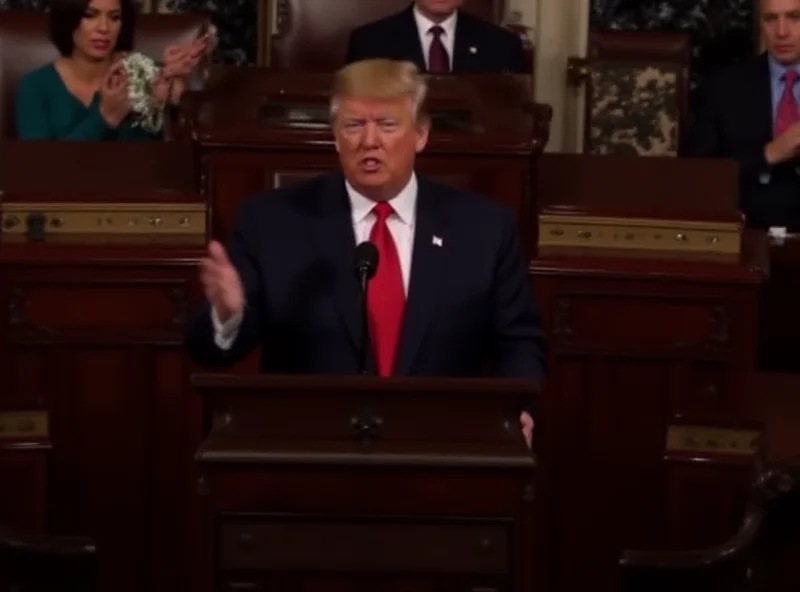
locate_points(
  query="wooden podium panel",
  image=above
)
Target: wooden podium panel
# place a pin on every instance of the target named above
(331, 482)
(259, 130)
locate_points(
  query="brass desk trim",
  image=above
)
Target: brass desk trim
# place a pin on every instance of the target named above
(107, 218)
(677, 236)
(24, 424)
(702, 439)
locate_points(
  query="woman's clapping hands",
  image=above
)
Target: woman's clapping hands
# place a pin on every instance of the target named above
(114, 102)
(179, 61)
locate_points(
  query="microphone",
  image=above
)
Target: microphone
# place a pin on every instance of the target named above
(366, 263)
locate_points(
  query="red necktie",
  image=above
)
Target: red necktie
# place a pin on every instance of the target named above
(438, 60)
(787, 114)
(386, 298)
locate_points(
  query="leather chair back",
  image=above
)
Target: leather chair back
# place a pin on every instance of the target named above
(24, 46)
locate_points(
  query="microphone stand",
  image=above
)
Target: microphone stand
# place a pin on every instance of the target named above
(363, 279)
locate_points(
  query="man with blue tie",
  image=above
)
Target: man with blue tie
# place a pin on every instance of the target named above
(451, 294)
(750, 113)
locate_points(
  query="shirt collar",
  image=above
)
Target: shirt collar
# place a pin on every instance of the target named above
(404, 203)
(424, 24)
(777, 70)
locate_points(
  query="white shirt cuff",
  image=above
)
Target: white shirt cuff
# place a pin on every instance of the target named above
(225, 333)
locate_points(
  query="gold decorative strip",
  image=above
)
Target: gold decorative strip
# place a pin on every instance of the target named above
(107, 218)
(23, 424)
(639, 234)
(703, 439)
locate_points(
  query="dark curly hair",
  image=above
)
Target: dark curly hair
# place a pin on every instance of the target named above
(66, 16)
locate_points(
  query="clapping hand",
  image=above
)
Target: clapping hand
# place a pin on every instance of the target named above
(114, 102)
(167, 89)
(785, 147)
(179, 60)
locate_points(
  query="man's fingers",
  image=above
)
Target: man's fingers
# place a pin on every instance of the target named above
(217, 253)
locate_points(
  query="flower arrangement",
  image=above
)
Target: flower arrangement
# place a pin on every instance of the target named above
(141, 72)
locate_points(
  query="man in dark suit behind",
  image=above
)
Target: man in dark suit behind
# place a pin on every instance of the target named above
(451, 292)
(750, 114)
(440, 38)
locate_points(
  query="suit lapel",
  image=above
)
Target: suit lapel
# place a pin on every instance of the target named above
(333, 237)
(762, 95)
(408, 38)
(465, 46)
(427, 265)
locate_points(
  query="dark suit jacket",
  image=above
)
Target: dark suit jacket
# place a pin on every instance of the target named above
(735, 121)
(396, 38)
(470, 301)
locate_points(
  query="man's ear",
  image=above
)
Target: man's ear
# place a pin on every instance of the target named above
(423, 131)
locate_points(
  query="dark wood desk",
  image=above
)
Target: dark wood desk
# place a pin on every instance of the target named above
(777, 398)
(92, 337)
(636, 344)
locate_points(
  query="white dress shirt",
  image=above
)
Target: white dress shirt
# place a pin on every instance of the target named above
(424, 26)
(401, 226)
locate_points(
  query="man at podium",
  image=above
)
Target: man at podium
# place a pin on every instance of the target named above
(447, 288)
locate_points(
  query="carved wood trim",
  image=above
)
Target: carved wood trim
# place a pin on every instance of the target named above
(181, 303)
(283, 19)
(718, 315)
(16, 302)
(721, 324)
(176, 288)
(561, 318)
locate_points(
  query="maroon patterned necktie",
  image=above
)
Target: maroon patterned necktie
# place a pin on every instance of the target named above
(438, 60)
(787, 114)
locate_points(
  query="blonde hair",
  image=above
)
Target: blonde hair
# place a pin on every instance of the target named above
(381, 80)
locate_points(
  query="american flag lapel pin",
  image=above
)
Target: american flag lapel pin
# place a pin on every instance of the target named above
(437, 241)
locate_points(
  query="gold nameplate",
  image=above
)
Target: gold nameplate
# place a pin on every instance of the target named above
(106, 218)
(706, 440)
(23, 424)
(678, 236)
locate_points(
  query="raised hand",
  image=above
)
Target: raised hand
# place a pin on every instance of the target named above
(784, 147)
(221, 283)
(168, 89)
(114, 102)
(180, 59)
(526, 423)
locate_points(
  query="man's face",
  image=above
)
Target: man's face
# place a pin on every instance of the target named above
(438, 10)
(780, 29)
(377, 142)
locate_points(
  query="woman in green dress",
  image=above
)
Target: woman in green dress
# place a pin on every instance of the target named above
(83, 95)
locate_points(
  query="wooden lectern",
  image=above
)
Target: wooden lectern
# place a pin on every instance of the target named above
(329, 483)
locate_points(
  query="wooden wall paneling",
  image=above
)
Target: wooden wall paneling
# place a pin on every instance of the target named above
(633, 347)
(113, 376)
